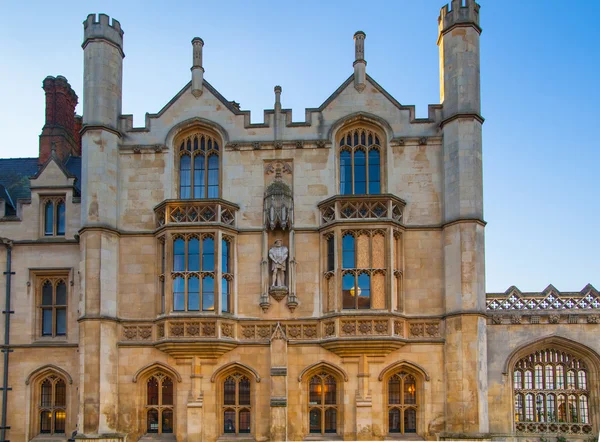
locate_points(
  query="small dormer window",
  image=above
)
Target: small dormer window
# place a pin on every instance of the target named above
(54, 216)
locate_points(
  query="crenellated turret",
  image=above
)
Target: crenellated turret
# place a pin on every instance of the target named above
(463, 231)
(360, 65)
(102, 98)
(102, 71)
(468, 14)
(197, 69)
(458, 41)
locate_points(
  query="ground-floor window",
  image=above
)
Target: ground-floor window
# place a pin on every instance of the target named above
(402, 403)
(159, 404)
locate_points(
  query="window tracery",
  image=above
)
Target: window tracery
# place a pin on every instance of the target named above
(322, 403)
(201, 269)
(360, 162)
(237, 404)
(402, 403)
(551, 393)
(52, 409)
(363, 269)
(159, 404)
(194, 272)
(199, 166)
(54, 216)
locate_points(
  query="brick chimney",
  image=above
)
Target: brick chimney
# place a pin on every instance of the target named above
(62, 125)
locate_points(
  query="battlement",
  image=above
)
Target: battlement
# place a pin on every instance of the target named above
(100, 27)
(459, 14)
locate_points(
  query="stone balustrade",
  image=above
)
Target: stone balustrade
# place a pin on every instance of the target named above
(385, 207)
(195, 211)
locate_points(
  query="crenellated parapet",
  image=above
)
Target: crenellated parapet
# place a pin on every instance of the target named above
(459, 15)
(101, 28)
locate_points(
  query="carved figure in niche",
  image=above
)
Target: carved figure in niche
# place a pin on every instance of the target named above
(278, 254)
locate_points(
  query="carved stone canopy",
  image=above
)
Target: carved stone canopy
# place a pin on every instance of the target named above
(278, 206)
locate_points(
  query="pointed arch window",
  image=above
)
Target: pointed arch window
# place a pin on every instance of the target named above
(551, 393)
(54, 222)
(237, 404)
(199, 164)
(323, 403)
(402, 403)
(360, 162)
(52, 408)
(159, 404)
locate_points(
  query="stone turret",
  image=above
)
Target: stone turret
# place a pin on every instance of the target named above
(197, 69)
(463, 231)
(360, 65)
(99, 242)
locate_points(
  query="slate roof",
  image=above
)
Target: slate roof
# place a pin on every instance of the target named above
(14, 179)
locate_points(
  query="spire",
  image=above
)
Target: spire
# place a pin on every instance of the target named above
(360, 64)
(197, 69)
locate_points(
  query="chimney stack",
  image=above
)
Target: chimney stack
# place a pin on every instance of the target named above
(197, 69)
(360, 65)
(61, 127)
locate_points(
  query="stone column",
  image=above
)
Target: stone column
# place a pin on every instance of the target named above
(195, 403)
(364, 403)
(463, 232)
(279, 367)
(99, 329)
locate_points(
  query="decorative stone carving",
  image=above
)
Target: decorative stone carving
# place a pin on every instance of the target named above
(278, 204)
(310, 331)
(177, 329)
(497, 319)
(515, 319)
(554, 319)
(227, 330)
(416, 330)
(160, 331)
(145, 332)
(432, 330)
(329, 329)
(130, 333)
(592, 319)
(193, 329)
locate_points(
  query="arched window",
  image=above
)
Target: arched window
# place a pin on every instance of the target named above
(54, 216)
(193, 273)
(159, 404)
(360, 162)
(52, 408)
(237, 404)
(322, 403)
(402, 403)
(199, 166)
(551, 393)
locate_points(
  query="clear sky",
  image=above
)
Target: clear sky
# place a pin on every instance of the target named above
(540, 95)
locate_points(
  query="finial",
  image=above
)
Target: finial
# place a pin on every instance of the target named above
(277, 90)
(359, 61)
(197, 69)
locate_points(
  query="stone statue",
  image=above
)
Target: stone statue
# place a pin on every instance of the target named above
(278, 255)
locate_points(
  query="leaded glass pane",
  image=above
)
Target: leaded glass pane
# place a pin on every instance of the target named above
(213, 176)
(244, 387)
(193, 255)
(208, 255)
(330, 420)
(345, 173)
(61, 293)
(179, 294)
(167, 421)
(208, 293)
(360, 173)
(185, 179)
(199, 167)
(152, 391)
(49, 219)
(60, 218)
(61, 321)
(167, 392)
(193, 294)
(46, 396)
(245, 421)
(348, 252)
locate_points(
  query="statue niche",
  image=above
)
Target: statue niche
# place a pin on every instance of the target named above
(278, 217)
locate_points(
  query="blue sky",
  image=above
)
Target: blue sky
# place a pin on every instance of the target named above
(539, 63)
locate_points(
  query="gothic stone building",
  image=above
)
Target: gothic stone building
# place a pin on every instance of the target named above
(206, 278)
